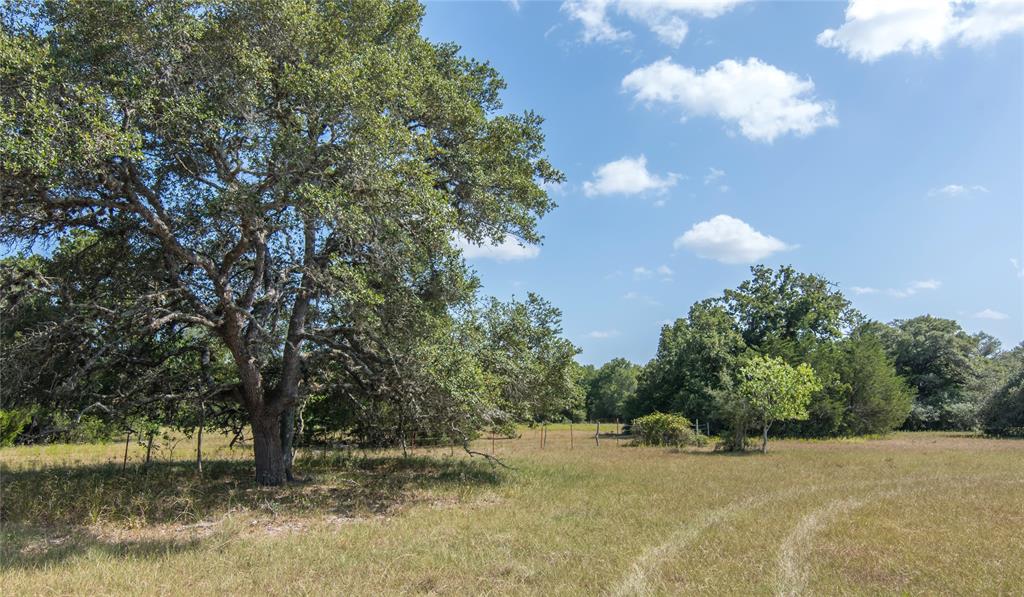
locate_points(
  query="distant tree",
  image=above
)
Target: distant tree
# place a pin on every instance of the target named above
(520, 344)
(785, 312)
(774, 391)
(1003, 412)
(937, 357)
(611, 388)
(877, 399)
(999, 390)
(694, 353)
(290, 177)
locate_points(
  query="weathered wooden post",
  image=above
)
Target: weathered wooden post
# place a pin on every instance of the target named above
(124, 464)
(597, 434)
(149, 447)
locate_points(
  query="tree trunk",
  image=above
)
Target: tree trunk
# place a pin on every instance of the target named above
(764, 438)
(739, 438)
(288, 442)
(269, 455)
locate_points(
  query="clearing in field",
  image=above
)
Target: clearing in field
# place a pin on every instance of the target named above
(910, 514)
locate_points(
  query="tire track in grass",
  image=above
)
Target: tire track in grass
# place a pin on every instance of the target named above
(793, 574)
(635, 582)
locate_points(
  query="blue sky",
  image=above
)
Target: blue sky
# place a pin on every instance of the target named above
(878, 147)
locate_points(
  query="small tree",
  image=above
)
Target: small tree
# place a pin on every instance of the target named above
(775, 391)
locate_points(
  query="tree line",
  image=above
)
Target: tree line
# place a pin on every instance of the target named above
(924, 373)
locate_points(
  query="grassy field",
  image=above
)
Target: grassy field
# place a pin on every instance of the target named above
(918, 514)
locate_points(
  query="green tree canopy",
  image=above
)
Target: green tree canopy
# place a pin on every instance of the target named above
(937, 357)
(775, 391)
(295, 172)
(611, 389)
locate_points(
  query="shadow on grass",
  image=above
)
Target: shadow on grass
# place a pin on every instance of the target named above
(51, 513)
(33, 548)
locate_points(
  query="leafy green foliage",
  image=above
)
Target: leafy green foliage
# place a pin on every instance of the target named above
(877, 398)
(664, 429)
(938, 359)
(776, 391)
(772, 390)
(785, 314)
(694, 355)
(610, 389)
(279, 183)
(12, 422)
(1002, 413)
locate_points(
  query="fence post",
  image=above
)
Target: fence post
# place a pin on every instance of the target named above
(124, 464)
(597, 434)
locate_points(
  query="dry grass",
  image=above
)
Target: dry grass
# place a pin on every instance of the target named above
(918, 514)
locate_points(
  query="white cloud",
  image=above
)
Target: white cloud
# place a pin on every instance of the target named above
(729, 240)
(863, 290)
(954, 190)
(509, 249)
(1017, 267)
(665, 18)
(636, 296)
(914, 288)
(713, 175)
(764, 101)
(643, 273)
(603, 334)
(592, 14)
(627, 176)
(991, 314)
(876, 28)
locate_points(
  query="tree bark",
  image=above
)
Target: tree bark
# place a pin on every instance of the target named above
(288, 442)
(267, 449)
(764, 438)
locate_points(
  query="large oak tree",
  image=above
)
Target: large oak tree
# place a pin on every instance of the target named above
(295, 172)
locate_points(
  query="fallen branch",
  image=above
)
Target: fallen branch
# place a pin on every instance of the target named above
(490, 457)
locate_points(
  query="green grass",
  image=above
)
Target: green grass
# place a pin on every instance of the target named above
(919, 514)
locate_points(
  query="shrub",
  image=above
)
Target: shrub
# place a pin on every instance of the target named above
(661, 429)
(12, 423)
(732, 442)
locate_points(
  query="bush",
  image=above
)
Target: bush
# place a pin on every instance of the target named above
(661, 429)
(12, 423)
(732, 442)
